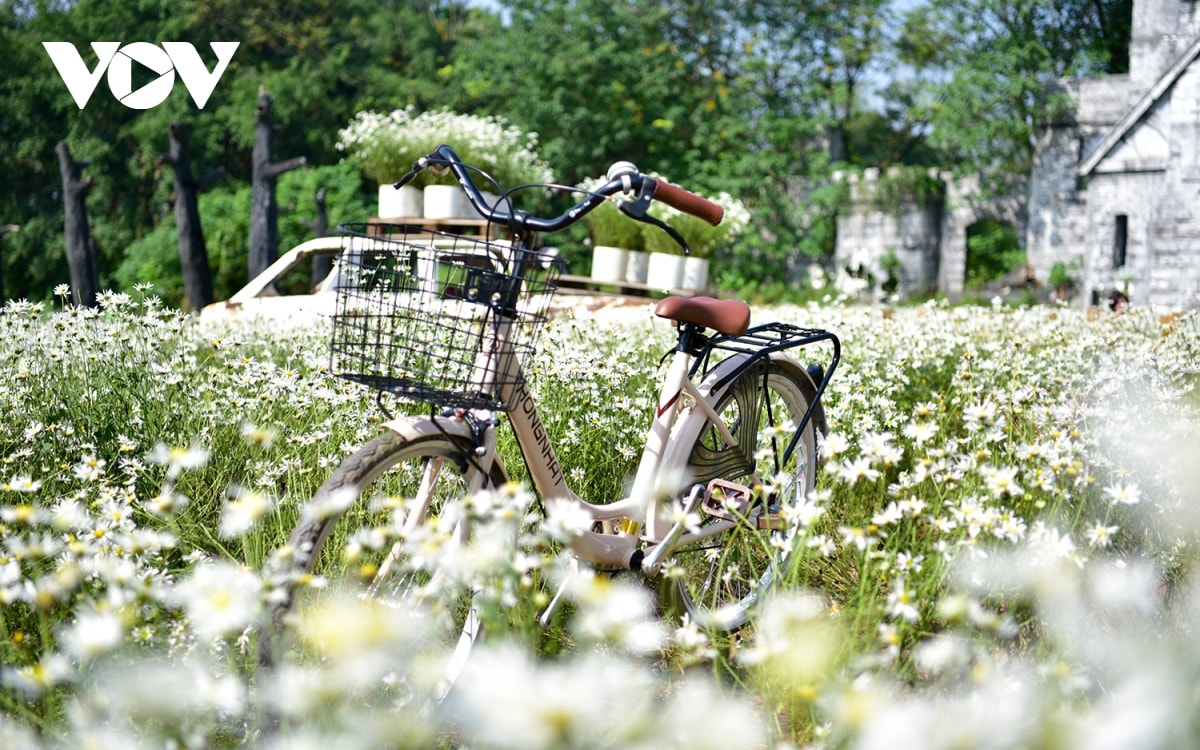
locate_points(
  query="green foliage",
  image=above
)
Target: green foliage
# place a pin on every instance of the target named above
(761, 100)
(656, 240)
(154, 259)
(345, 200)
(993, 249)
(985, 71)
(1065, 275)
(225, 218)
(905, 184)
(759, 293)
(33, 259)
(611, 86)
(891, 137)
(608, 226)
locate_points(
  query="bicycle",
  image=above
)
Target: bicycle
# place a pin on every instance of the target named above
(447, 320)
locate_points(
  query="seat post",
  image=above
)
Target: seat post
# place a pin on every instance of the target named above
(691, 338)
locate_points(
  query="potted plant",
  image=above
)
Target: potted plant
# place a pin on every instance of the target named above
(504, 152)
(703, 239)
(616, 239)
(386, 146)
(664, 270)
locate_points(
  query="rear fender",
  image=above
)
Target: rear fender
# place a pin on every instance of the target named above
(714, 386)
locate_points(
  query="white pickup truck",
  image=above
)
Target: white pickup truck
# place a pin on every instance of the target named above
(283, 292)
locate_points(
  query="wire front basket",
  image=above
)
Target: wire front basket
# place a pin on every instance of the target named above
(437, 317)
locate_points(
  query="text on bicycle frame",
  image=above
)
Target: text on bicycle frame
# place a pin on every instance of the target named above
(528, 408)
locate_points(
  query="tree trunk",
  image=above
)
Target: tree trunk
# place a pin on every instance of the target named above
(193, 255)
(322, 264)
(264, 211)
(81, 253)
(5, 229)
(839, 150)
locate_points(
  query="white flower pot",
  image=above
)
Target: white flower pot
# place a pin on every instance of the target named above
(405, 203)
(451, 202)
(695, 274)
(636, 266)
(608, 263)
(664, 272)
(491, 199)
(447, 202)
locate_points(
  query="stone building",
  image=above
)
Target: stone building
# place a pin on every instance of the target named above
(1113, 198)
(1115, 186)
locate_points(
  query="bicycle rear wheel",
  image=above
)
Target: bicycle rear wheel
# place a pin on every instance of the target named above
(372, 527)
(718, 580)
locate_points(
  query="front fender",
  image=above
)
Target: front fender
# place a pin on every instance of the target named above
(413, 428)
(417, 427)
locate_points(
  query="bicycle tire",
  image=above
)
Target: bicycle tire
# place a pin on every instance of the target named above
(382, 467)
(718, 581)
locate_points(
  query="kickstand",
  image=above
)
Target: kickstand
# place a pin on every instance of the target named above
(544, 619)
(652, 561)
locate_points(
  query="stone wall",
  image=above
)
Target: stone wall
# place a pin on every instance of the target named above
(929, 238)
(1058, 217)
(874, 227)
(1162, 31)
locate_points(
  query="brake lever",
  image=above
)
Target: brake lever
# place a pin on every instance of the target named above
(420, 165)
(639, 206)
(670, 230)
(417, 168)
(638, 210)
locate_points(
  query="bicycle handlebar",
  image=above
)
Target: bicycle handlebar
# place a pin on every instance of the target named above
(623, 177)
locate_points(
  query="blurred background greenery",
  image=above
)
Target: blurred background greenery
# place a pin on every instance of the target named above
(763, 100)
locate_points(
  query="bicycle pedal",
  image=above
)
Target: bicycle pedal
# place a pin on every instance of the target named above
(722, 497)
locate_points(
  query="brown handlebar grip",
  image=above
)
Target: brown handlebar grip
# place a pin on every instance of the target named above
(688, 202)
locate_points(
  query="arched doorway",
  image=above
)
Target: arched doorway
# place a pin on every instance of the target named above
(993, 250)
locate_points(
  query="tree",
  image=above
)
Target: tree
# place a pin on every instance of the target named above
(193, 255)
(599, 81)
(321, 264)
(264, 210)
(756, 98)
(81, 251)
(819, 52)
(5, 229)
(30, 177)
(986, 70)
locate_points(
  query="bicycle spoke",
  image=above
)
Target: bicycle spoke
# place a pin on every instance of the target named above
(390, 543)
(722, 577)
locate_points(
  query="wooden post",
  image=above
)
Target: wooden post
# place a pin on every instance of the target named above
(193, 255)
(321, 264)
(264, 211)
(81, 253)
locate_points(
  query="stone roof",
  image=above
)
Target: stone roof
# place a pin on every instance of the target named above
(1129, 122)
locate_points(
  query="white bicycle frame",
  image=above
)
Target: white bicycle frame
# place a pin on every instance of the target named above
(682, 409)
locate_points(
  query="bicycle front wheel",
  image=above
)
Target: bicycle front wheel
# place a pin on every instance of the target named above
(384, 524)
(719, 579)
